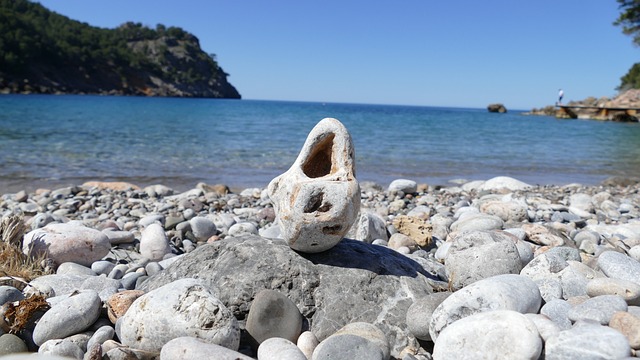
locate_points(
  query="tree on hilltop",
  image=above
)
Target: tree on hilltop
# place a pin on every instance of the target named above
(629, 20)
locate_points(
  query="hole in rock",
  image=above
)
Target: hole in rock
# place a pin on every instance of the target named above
(315, 204)
(331, 230)
(320, 160)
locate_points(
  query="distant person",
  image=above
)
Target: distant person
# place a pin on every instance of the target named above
(560, 95)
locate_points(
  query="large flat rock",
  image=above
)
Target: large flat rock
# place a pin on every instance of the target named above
(351, 282)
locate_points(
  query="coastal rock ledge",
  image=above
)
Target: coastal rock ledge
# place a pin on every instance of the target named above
(351, 282)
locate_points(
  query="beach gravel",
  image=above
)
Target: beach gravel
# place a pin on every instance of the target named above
(421, 269)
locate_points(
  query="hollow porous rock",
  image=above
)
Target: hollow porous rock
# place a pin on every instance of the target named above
(318, 198)
(351, 282)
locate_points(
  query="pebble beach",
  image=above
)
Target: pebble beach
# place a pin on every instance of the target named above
(480, 270)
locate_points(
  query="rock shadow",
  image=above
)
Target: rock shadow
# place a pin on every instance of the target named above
(381, 260)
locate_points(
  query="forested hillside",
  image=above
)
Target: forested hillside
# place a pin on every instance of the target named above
(44, 52)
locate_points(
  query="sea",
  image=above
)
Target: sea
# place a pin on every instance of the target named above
(52, 141)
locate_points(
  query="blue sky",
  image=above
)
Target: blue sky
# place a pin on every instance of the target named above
(465, 53)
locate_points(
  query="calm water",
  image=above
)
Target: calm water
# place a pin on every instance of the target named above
(53, 141)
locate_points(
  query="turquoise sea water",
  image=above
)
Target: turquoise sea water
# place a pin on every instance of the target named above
(52, 141)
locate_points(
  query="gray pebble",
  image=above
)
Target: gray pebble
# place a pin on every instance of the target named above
(619, 266)
(9, 294)
(71, 316)
(279, 349)
(347, 346)
(587, 341)
(69, 268)
(202, 228)
(558, 311)
(419, 314)
(11, 344)
(499, 334)
(476, 255)
(273, 315)
(599, 309)
(189, 348)
(101, 335)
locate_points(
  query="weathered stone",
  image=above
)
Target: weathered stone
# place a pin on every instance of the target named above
(478, 255)
(416, 228)
(67, 242)
(500, 292)
(273, 315)
(405, 185)
(189, 348)
(600, 309)
(500, 334)
(279, 349)
(477, 222)
(369, 227)
(506, 210)
(619, 266)
(70, 316)
(119, 303)
(347, 346)
(628, 325)
(587, 341)
(353, 281)
(419, 314)
(181, 308)
(318, 198)
(628, 290)
(542, 235)
(154, 244)
(504, 182)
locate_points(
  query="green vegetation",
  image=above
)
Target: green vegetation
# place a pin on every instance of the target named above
(629, 19)
(42, 51)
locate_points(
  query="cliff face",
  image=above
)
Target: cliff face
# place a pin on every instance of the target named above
(44, 52)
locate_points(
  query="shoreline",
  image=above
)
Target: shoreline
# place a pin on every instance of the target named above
(182, 185)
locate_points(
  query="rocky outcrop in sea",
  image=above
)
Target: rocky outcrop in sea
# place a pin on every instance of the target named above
(591, 108)
(495, 268)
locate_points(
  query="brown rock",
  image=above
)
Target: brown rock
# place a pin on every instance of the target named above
(542, 235)
(628, 325)
(118, 304)
(115, 185)
(416, 228)
(399, 240)
(219, 189)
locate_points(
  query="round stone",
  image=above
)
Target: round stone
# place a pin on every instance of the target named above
(500, 292)
(587, 341)
(192, 310)
(307, 343)
(70, 316)
(404, 185)
(477, 255)
(202, 228)
(600, 308)
(477, 222)
(347, 346)
(628, 290)
(619, 266)
(500, 334)
(11, 344)
(419, 314)
(67, 242)
(154, 244)
(189, 348)
(273, 315)
(279, 349)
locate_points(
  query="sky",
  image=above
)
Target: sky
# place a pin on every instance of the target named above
(465, 53)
